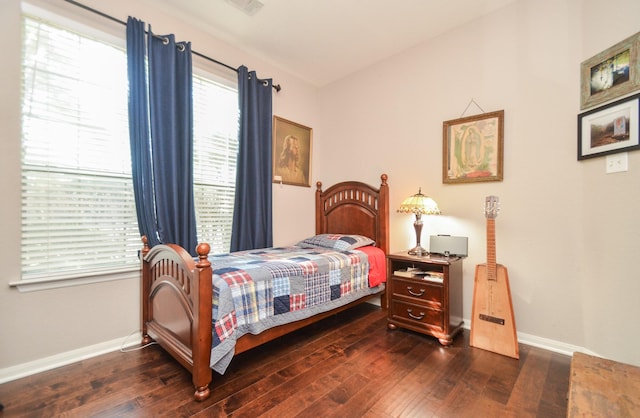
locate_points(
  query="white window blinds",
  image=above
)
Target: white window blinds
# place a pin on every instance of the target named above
(78, 210)
(78, 213)
(215, 126)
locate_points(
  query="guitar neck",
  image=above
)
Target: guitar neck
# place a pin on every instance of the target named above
(491, 249)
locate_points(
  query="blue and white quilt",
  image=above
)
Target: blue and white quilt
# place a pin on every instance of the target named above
(259, 289)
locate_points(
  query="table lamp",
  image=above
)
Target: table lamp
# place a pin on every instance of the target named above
(419, 204)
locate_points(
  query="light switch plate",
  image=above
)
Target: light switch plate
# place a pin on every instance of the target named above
(617, 162)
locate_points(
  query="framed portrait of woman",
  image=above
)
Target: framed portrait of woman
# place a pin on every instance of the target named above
(291, 152)
(473, 148)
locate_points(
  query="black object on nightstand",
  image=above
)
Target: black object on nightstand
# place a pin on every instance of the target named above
(424, 294)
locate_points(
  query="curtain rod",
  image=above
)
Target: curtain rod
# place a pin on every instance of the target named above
(98, 12)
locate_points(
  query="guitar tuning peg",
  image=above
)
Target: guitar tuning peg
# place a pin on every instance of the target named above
(491, 206)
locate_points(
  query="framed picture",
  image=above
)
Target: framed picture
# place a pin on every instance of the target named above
(609, 129)
(610, 74)
(291, 152)
(473, 148)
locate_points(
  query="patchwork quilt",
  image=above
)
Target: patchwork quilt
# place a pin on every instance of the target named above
(259, 289)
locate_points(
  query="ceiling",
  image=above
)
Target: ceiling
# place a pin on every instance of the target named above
(321, 41)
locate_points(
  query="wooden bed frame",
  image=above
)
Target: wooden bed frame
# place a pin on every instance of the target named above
(176, 290)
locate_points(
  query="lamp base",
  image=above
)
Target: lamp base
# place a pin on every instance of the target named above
(419, 251)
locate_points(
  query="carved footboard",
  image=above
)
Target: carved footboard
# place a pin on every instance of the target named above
(176, 307)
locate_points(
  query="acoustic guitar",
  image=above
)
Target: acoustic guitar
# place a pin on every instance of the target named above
(493, 326)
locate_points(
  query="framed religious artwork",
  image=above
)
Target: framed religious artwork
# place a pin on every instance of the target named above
(291, 151)
(610, 74)
(609, 129)
(472, 148)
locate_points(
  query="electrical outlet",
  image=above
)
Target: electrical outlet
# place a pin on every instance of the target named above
(617, 162)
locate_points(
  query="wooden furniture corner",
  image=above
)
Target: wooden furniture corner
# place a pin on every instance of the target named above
(425, 304)
(603, 388)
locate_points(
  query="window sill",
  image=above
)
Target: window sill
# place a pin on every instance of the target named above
(33, 285)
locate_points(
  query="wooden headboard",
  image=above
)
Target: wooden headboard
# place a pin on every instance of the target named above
(353, 207)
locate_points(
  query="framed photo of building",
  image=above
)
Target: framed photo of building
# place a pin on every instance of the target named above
(472, 148)
(612, 73)
(609, 129)
(291, 146)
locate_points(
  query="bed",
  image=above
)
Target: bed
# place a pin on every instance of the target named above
(188, 304)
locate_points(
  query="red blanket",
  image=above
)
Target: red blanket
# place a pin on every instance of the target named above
(377, 265)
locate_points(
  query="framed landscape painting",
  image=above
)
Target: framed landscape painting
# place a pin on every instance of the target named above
(609, 129)
(612, 73)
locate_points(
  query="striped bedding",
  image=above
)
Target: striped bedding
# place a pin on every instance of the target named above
(259, 289)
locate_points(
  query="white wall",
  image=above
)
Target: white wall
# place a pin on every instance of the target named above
(41, 328)
(567, 232)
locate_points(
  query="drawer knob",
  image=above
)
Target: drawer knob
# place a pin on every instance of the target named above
(418, 317)
(411, 292)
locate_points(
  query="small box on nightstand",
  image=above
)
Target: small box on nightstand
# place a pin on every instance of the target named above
(448, 245)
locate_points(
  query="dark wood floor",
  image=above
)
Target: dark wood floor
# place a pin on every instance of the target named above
(349, 365)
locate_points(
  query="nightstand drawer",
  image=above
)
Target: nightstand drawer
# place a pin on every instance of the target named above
(416, 314)
(422, 290)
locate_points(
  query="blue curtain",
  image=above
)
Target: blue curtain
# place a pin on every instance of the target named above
(139, 137)
(252, 214)
(167, 151)
(171, 106)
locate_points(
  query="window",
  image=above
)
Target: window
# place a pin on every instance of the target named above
(215, 137)
(78, 210)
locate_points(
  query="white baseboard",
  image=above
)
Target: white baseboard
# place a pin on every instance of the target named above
(545, 343)
(63, 359)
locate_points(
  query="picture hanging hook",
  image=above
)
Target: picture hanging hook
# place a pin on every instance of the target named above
(474, 102)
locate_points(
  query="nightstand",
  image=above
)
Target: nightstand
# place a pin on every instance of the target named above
(424, 294)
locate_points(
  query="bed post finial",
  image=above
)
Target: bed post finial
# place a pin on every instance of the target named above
(383, 212)
(145, 245)
(203, 252)
(319, 208)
